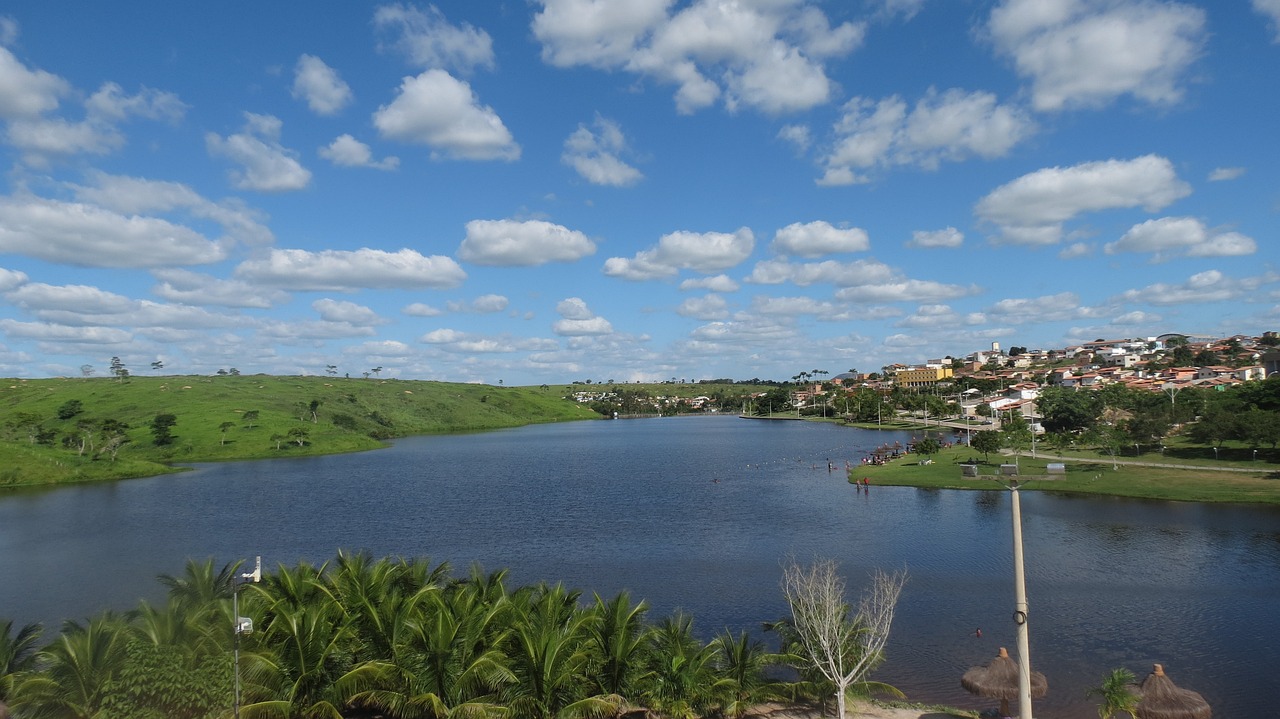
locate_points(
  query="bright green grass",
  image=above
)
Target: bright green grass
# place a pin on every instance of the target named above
(368, 408)
(1085, 476)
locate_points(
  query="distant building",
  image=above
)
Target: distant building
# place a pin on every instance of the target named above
(921, 376)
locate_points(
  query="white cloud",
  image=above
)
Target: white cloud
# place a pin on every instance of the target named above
(1271, 9)
(841, 274)
(192, 288)
(47, 332)
(321, 87)
(1047, 308)
(439, 111)
(11, 279)
(427, 40)
(266, 165)
(37, 297)
(134, 195)
(814, 239)
(717, 283)
(767, 56)
(704, 252)
(796, 306)
(949, 237)
(514, 243)
(1086, 53)
(340, 270)
(490, 303)
(452, 340)
(84, 235)
(110, 104)
(27, 93)
(949, 126)
(905, 8)
(418, 309)
(1207, 286)
(1076, 250)
(40, 138)
(577, 320)
(1220, 174)
(349, 312)
(347, 151)
(905, 290)
(595, 155)
(708, 307)
(1031, 209)
(797, 135)
(1170, 237)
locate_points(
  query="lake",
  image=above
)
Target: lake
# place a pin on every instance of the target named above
(698, 513)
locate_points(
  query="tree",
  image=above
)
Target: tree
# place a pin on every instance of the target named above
(222, 429)
(377, 371)
(70, 408)
(843, 649)
(313, 408)
(1116, 694)
(1064, 409)
(1109, 439)
(160, 428)
(17, 656)
(86, 370)
(1016, 434)
(79, 667)
(250, 416)
(986, 442)
(928, 446)
(234, 372)
(299, 435)
(118, 370)
(157, 366)
(331, 369)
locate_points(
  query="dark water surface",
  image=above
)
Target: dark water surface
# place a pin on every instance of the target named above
(606, 506)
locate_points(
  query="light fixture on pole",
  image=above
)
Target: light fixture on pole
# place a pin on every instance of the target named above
(1020, 609)
(241, 625)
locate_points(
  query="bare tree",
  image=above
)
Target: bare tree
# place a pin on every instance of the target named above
(842, 648)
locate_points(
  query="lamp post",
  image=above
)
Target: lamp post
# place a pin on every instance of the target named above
(1020, 609)
(241, 625)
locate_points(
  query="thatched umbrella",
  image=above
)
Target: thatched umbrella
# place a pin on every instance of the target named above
(1162, 699)
(999, 680)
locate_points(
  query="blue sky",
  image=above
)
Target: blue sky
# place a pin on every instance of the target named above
(561, 190)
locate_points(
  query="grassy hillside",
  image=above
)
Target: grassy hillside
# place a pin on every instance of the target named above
(44, 440)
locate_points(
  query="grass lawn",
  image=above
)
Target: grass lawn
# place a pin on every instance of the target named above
(1087, 475)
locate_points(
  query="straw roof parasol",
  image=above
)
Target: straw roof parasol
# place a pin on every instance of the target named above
(1162, 699)
(999, 680)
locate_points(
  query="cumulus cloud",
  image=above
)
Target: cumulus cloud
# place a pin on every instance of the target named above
(949, 237)
(55, 333)
(265, 164)
(10, 279)
(1086, 53)
(767, 56)
(438, 110)
(796, 306)
(426, 39)
(708, 307)
(320, 86)
(1220, 174)
(452, 340)
(26, 93)
(942, 126)
(814, 239)
(905, 290)
(1270, 9)
(577, 320)
(193, 288)
(340, 270)
(798, 136)
(418, 309)
(704, 252)
(331, 310)
(1170, 237)
(110, 103)
(841, 274)
(1076, 250)
(137, 195)
(1207, 286)
(484, 304)
(595, 155)
(85, 235)
(1046, 308)
(516, 243)
(716, 283)
(1031, 209)
(347, 151)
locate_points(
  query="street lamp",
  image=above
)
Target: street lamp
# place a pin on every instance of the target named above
(241, 625)
(1020, 605)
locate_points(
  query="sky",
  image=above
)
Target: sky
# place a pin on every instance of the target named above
(548, 191)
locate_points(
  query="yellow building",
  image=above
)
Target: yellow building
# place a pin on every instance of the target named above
(921, 376)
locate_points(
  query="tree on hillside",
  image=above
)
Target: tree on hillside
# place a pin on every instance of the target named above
(313, 407)
(70, 408)
(222, 428)
(161, 427)
(157, 366)
(299, 435)
(118, 370)
(86, 370)
(250, 416)
(842, 648)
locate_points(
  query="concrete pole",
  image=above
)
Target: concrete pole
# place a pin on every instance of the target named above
(1020, 613)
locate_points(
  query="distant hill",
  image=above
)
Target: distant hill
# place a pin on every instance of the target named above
(87, 429)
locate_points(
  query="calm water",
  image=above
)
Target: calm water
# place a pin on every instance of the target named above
(606, 506)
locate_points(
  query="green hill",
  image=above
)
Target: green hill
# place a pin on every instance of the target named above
(88, 429)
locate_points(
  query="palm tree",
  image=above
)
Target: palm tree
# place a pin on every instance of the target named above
(17, 657)
(618, 637)
(78, 669)
(1117, 695)
(742, 665)
(548, 658)
(683, 683)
